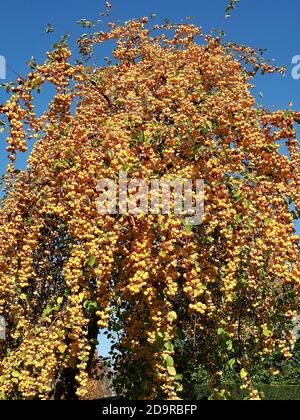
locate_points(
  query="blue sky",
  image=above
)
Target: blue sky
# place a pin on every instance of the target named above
(263, 23)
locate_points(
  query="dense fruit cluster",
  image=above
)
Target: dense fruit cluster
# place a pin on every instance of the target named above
(170, 106)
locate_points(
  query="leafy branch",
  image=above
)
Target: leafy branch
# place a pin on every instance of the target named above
(230, 8)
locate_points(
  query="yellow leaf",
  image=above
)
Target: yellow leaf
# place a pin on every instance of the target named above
(172, 371)
(267, 332)
(244, 374)
(15, 374)
(62, 348)
(172, 316)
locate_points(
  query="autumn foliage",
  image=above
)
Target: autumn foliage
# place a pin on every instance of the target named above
(173, 102)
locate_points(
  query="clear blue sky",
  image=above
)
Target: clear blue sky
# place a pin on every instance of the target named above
(263, 23)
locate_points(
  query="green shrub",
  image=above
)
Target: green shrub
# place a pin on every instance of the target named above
(270, 392)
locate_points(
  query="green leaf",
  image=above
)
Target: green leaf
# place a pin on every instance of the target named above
(90, 306)
(92, 261)
(229, 345)
(142, 137)
(179, 387)
(168, 360)
(271, 147)
(47, 311)
(231, 363)
(188, 228)
(49, 29)
(60, 165)
(7, 86)
(239, 218)
(169, 346)
(32, 63)
(110, 153)
(237, 196)
(243, 374)
(268, 222)
(2, 126)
